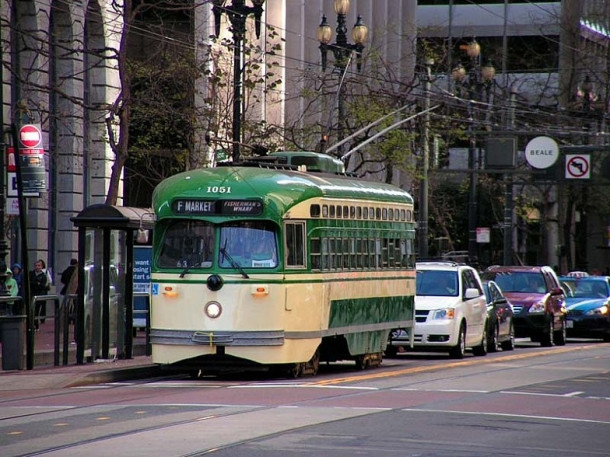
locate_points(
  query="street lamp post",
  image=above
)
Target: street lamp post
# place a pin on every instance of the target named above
(477, 81)
(589, 97)
(342, 50)
(237, 12)
(3, 242)
(508, 192)
(422, 226)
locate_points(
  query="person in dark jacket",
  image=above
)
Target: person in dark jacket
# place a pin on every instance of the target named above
(39, 285)
(67, 277)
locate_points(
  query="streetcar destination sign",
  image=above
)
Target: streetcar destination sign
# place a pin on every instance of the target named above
(217, 207)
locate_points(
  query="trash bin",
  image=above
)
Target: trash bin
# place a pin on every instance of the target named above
(12, 335)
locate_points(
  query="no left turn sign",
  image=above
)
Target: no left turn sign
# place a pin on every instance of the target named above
(578, 166)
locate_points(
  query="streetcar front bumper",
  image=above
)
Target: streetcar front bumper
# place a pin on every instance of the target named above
(216, 338)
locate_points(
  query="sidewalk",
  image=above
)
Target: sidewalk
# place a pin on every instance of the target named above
(45, 375)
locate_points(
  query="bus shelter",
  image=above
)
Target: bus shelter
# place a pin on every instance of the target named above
(104, 300)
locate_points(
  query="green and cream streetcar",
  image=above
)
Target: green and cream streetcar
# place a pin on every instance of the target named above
(272, 265)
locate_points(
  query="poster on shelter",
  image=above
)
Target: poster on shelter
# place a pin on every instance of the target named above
(142, 259)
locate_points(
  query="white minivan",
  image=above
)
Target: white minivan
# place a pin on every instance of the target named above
(450, 311)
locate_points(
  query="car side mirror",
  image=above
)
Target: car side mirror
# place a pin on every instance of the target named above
(471, 293)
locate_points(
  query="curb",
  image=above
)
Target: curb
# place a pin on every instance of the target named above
(117, 375)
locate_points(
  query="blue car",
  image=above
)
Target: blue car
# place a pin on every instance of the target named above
(588, 306)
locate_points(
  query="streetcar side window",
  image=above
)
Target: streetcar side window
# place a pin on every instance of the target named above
(295, 244)
(187, 244)
(316, 248)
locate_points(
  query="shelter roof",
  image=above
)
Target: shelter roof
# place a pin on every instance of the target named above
(114, 217)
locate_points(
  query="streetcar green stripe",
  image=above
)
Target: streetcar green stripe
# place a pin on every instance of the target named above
(370, 310)
(287, 281)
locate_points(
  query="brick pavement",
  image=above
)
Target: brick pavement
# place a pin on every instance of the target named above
(46, 375)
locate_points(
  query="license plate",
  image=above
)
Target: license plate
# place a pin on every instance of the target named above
(569, 324)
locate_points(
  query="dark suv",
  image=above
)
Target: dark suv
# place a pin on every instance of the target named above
(538, 301)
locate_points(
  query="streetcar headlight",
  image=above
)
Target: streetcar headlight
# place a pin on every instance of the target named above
(212, 309)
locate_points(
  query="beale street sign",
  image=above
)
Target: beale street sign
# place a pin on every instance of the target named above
(541, 152)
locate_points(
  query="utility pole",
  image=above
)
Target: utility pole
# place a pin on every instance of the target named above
(422, 226)
(508, 193)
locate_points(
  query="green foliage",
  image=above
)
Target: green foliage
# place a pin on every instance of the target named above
(162, 109)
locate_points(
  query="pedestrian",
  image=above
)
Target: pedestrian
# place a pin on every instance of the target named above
(10, 285)
(39, 285)
(18, 276)
(68, 288)
(12, 288)
(66, 276)
(47, 271)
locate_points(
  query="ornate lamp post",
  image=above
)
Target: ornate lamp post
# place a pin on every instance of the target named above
(342, 50)
(478, 82)
(237, 12)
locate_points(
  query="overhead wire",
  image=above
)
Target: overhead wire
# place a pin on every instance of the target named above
(147, 32)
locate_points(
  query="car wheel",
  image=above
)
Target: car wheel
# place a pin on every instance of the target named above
(457, 351)
(492, 339)
(560, 335)
(391, 351)
(509, 344)
(607, 338)
(546, 339)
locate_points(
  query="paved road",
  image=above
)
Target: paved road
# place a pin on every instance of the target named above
(530, 402)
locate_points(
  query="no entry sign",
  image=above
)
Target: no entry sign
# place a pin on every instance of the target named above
(30, 136)
(32, 159)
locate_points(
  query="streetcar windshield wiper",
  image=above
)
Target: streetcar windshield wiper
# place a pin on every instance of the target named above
(188, 267)
(233, 263)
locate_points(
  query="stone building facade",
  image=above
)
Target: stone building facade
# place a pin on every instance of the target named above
(55, 75)
(58, 68)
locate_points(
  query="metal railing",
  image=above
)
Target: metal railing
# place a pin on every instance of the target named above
(57, 310)
(62, 315)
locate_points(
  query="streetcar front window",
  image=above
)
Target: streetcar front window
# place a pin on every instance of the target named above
(248, 244)
(187, 244)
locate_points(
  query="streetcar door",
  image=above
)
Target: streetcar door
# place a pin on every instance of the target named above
(294, 244)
